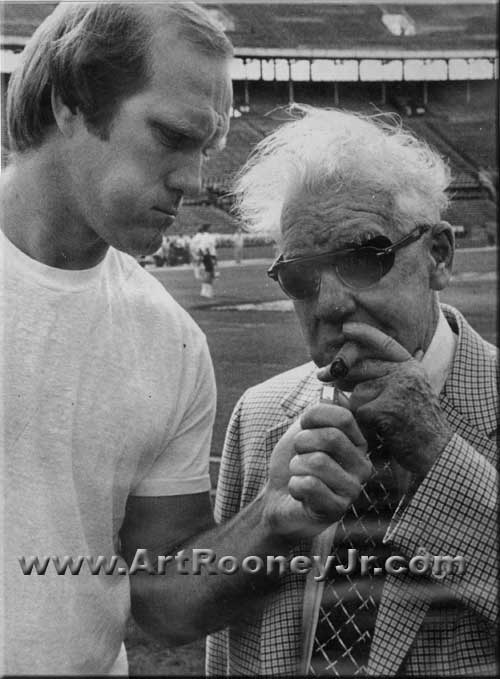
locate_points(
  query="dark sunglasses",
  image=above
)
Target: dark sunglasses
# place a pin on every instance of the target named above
(358, 267)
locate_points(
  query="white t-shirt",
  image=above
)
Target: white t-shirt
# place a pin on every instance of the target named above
(107, 391)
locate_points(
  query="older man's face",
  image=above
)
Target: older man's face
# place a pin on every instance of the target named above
(401, 304)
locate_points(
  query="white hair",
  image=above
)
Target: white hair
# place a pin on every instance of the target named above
(327, 149)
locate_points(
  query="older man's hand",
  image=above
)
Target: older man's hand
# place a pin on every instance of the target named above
(393, 399)
(316, 471)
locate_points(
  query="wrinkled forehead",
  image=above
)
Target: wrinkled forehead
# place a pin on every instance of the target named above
(327, 220)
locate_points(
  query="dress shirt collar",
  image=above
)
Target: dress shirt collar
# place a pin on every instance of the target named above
(439, 356)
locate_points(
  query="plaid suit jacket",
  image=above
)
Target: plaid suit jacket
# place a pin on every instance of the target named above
(430, 625)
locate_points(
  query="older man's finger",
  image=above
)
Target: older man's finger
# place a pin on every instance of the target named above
(319, 499)
(381, 346)
(322, 415)
(332, 473)
(321, 446)
(369, 369)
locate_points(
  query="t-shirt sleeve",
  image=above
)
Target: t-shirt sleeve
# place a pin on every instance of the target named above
(183, 465)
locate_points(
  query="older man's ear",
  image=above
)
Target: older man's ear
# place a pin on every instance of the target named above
(442, 250)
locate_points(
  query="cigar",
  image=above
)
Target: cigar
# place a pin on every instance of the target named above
(338, 367)
(341, 364)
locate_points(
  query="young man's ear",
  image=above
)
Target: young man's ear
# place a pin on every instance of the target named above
(442, 251)
(65, 118)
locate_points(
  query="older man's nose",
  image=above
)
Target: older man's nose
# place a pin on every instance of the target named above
(335, 299)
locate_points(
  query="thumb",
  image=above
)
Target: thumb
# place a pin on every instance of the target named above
(418, 355)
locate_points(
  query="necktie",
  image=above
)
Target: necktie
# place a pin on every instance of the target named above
(350, 601)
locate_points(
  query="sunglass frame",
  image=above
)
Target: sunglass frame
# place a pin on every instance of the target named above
(279, 262)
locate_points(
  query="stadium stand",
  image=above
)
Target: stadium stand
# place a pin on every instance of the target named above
(478, 219)
(318, 25)
(424, 128)
(473, 140)
(276, 45)
(20, 19)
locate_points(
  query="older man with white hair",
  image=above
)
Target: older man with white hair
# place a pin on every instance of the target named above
(355, 204)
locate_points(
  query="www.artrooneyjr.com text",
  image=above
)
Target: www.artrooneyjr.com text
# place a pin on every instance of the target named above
(198, 561)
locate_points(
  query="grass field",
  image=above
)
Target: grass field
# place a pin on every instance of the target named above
(251, 345)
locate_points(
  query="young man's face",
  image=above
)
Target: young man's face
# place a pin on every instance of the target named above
(401, 304)
(125, 190)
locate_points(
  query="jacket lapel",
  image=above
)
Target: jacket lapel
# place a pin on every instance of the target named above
(303, 394)
(471, 379)
(286, 605)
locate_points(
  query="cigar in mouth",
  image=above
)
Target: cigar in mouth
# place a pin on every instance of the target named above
(341, 364)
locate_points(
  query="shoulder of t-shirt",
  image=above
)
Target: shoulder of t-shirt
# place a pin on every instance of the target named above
(144, 292)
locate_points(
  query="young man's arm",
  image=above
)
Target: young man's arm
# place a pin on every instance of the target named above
(316, 471)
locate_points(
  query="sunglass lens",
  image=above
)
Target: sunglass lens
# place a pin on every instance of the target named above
(299, 281)
(361, 268)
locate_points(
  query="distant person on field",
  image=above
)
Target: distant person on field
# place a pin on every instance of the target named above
(238, 244)
(206, 255)
(194, 250)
